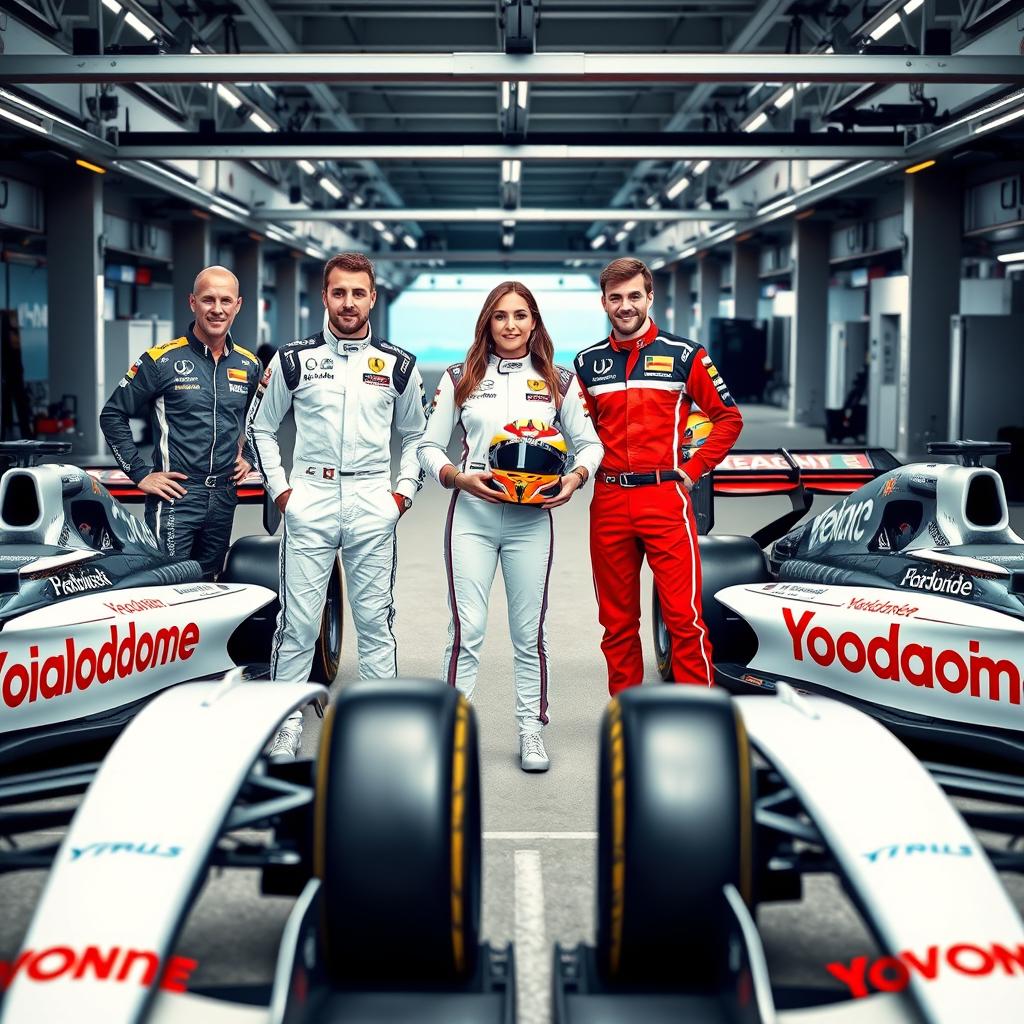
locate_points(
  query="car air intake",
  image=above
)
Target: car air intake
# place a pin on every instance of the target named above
(985, 504)
(22, 507)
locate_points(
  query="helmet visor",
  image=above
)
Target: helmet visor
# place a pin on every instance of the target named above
(526, 456)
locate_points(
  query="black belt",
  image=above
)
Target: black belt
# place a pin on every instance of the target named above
(659, 476)
(215, 480)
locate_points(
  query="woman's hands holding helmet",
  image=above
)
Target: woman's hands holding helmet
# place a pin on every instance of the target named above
(472, 483)
(570, 482)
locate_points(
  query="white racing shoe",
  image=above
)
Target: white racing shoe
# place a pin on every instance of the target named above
(532, 755)
(286, 745)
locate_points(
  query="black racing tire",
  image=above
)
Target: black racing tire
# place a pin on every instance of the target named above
(675, 825)
(327, 652)
(724, 561)
(662, 641)
(397, 841)
(256, 560)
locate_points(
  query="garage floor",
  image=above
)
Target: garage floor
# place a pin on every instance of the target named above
(539, 829)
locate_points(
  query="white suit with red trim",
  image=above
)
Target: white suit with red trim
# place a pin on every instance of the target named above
(479, 534)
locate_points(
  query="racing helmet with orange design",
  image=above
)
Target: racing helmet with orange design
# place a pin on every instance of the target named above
(525, 457)
(698, 430)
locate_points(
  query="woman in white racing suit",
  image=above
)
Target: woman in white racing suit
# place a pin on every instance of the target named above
(508, 375)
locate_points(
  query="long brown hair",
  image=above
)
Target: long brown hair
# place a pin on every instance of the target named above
(539, 346)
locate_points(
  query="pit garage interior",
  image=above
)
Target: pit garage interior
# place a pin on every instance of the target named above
(830, 196)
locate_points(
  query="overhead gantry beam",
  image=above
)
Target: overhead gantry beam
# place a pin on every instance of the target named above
(492, 215)
(496, 67)
(465, 146)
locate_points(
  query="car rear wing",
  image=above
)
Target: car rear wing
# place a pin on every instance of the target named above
(250, 490)
(799, 473)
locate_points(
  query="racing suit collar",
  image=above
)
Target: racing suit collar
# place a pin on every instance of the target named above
(639, 342)
(510, 365)
(200, 348)
(345, 346)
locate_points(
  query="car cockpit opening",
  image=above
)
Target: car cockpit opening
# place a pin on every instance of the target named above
(20, 505)
(985, 501)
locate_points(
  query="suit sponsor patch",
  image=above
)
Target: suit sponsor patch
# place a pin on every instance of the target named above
(239, 375)
(379, 379)
(659, 364)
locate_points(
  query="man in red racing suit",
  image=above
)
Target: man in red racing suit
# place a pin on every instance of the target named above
(640, 383)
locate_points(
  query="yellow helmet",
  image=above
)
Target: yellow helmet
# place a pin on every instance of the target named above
(525, 457)
(698, 430)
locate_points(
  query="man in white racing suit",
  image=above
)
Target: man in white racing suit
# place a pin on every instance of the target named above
(481, 531)
(347, 388)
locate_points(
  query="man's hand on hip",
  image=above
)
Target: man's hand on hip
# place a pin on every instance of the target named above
(687, 482)
(242, 469)
(403, 503)
(282, 500)
(163, 485)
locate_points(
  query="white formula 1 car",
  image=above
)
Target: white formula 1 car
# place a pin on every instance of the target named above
(905, 599)
(379, 838)
(710, 805)
(95, 619)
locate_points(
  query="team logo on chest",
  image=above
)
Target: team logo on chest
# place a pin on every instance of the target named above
(536, 385)
(659, 364)
(375, 364)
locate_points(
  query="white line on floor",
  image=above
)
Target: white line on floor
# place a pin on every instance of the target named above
(540, 835)
(533, 958)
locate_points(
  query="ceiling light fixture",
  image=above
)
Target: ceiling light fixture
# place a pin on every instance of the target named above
(1011, 257)
(305, 165)
(506, 95)
(757, 121)
(687, 253)
(676, 187)
(783, 99)
(256, 118)
(597, 241)
(998, 122)
(25, 122)
(522, 93)
(701, 167)
(923, 166)
(232, 99)
(91, 167)
(330, 188)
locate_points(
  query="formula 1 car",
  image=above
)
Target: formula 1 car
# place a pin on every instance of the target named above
(905, 599)
(95, 619)
(711, 805)
(379, 837)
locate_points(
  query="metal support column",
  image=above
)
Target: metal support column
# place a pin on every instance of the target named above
(379, 319)
(287, 327)
(709, 290)
(248, 269)
(810, 324)
(74, 219)
(682, 302)
(932, 263)
(746, 285)
(314, 278)
(662, 298)
(190, 252)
